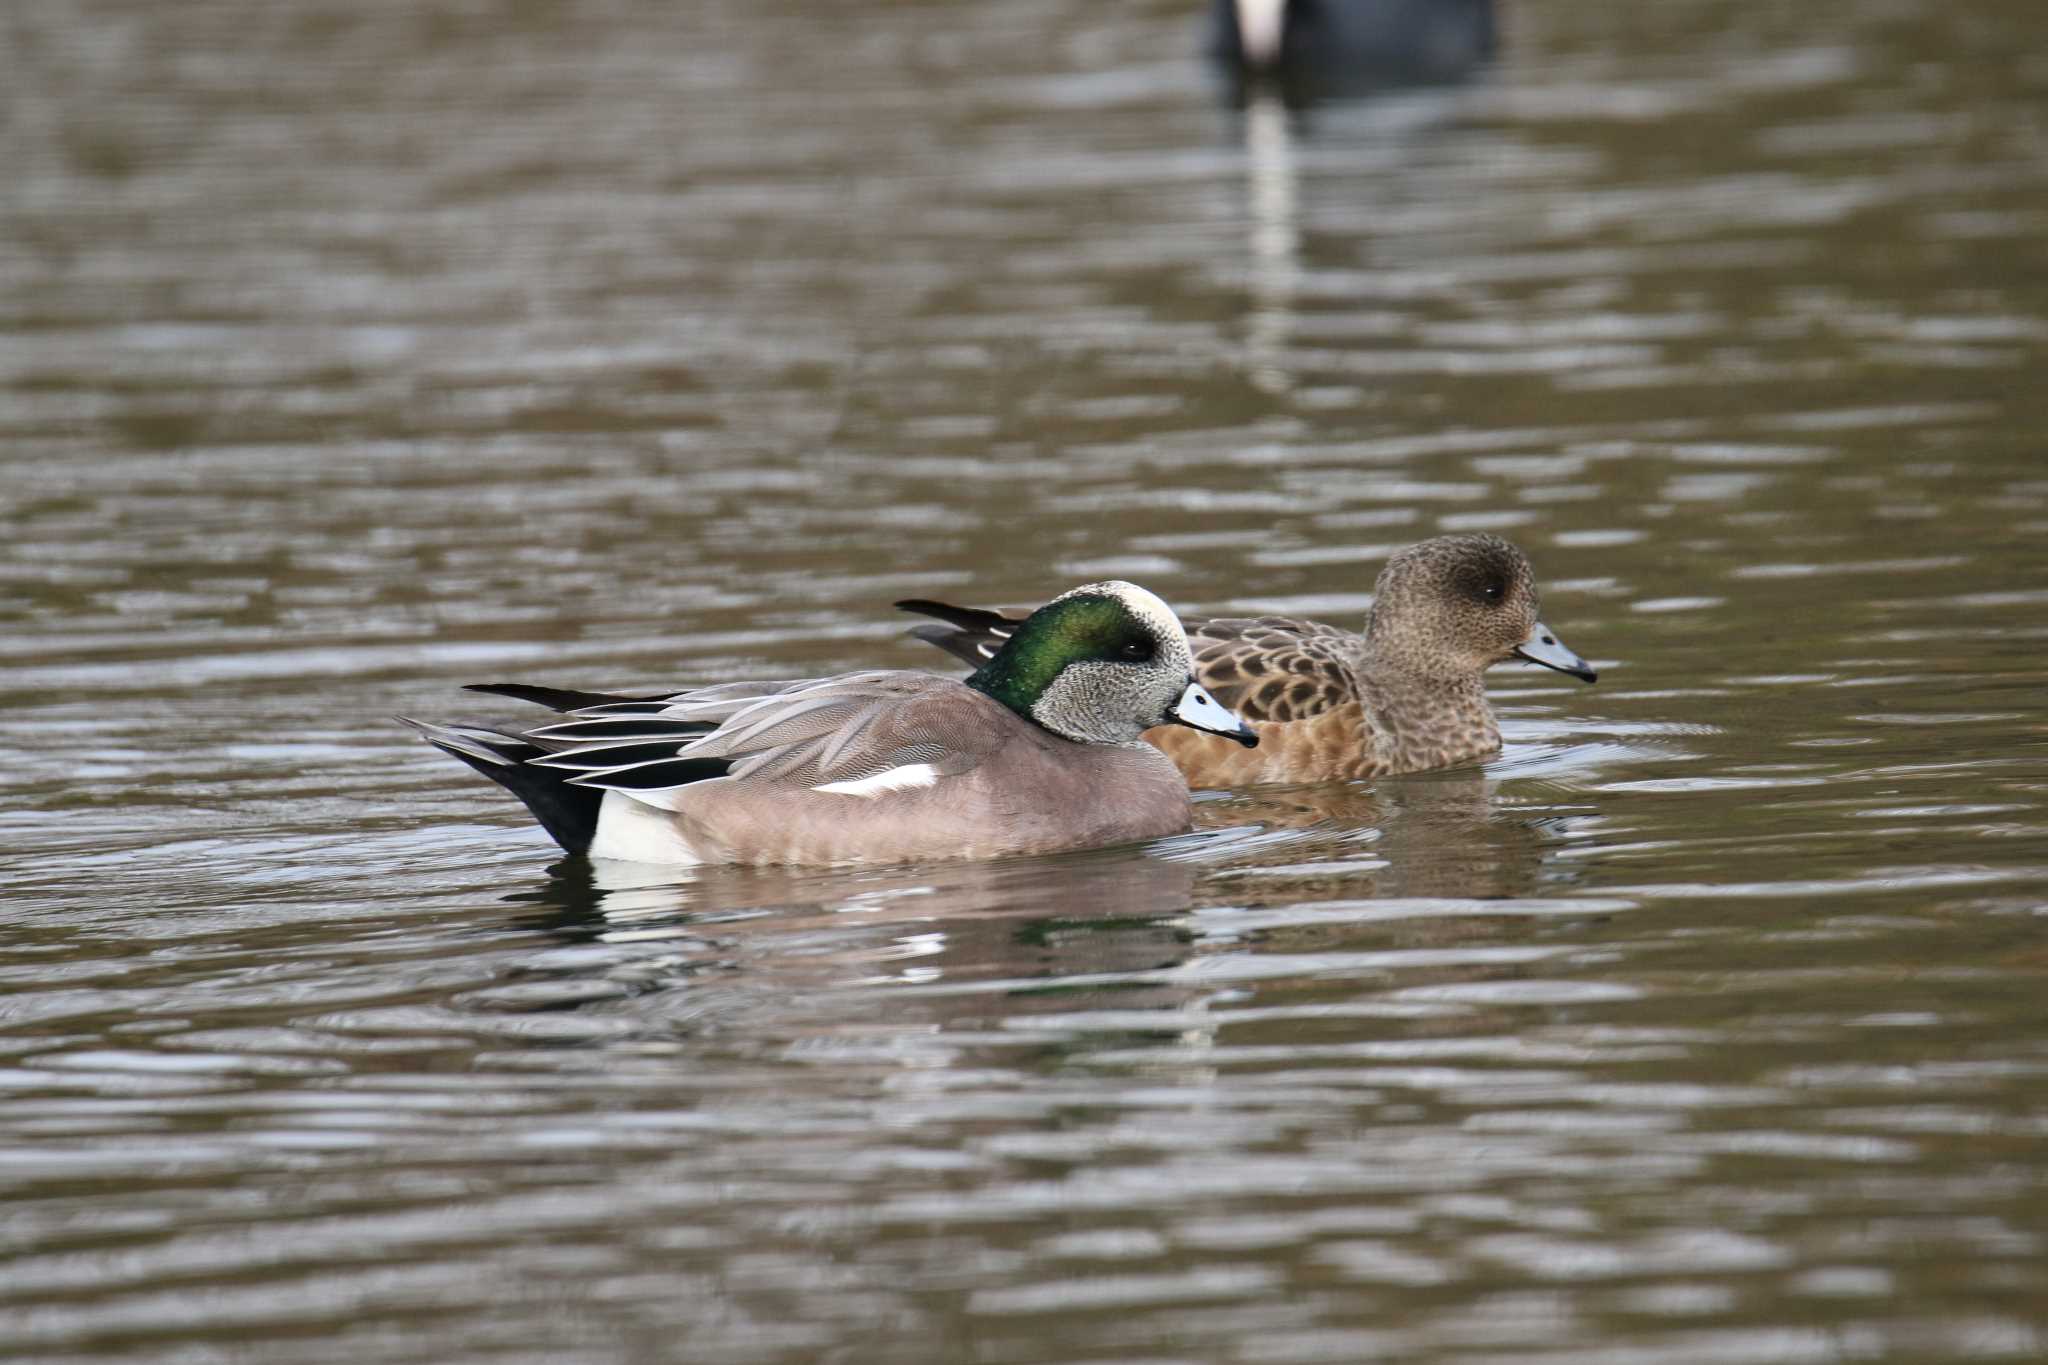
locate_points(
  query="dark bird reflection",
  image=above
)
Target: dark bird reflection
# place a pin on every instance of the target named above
(1338, 54)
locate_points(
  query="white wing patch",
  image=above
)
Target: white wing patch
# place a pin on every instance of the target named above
(905, 778)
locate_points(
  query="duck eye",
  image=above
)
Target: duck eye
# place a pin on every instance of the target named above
(1491, 592)
(1137, 649)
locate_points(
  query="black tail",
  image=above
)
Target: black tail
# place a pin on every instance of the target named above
(568, 813)
(972, 635)
(559, 698)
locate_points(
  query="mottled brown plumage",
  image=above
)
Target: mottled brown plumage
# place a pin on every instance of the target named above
(1330, 704)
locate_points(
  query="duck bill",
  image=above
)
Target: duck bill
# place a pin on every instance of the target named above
(1543, 647)
(1197, 710)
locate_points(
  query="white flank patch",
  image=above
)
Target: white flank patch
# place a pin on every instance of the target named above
(639, 833)
(895, 780)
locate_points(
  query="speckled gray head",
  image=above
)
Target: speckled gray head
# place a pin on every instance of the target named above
(1103, 664)
(1454, 605)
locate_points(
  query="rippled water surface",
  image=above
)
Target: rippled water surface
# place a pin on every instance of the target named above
(350, 352)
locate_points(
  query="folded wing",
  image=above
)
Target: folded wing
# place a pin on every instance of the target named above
(841, 734)
(1273, 669)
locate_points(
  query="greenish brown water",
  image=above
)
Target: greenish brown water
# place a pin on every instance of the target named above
(352, 352)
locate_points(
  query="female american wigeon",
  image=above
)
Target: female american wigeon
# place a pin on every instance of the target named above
(1037, 752)
(1331, 704)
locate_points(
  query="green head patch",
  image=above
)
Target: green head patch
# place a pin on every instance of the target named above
(1080, 627)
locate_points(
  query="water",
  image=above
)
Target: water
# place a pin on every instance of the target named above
(352, 352)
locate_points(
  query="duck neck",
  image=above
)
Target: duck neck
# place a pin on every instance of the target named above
(1424, 719)
(1009, 680)
(1021, 674)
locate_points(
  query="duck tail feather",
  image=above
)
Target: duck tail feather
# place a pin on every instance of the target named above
(557, 698)
(568, 813)
(970, 647)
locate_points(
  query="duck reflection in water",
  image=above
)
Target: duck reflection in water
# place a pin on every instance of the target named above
(778, 949)
(1442, 835)
(783, 953)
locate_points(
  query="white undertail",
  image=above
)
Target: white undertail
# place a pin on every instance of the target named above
(638, 832)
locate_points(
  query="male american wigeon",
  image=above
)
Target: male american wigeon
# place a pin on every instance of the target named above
(1037, 752)
(1330, 704)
